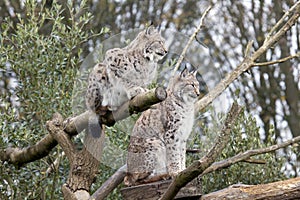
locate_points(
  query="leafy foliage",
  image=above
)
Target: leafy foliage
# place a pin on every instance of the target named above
(245, 136)
(44, 66)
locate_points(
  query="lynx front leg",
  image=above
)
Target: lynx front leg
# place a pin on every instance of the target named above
(174, 155)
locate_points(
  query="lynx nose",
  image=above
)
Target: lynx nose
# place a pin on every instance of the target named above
(197, 92)
(165, 50)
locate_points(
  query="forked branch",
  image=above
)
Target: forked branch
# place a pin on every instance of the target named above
(73, 126)
(249, 60)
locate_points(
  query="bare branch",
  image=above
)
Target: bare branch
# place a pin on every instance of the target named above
(248, 48)
(277, 61)
(75, 125)
(279, 23)
(248, 61)
(37, 151)
(246, 155)
(181, 57)
(110, 184)
(287, 189)
(255, 161)
(199, 166)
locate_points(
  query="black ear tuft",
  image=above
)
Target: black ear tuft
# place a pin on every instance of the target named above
(195, 72)
(184, 72)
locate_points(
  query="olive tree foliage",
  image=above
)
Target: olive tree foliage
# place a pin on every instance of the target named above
(38, 70)
(244, 136)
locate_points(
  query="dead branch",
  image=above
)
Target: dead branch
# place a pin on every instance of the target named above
(110, 184)
(193, 36)
(288, 189)
(19, 156)
(83, 166)
(281, 21)
(246, 155)
(278, 61)
(199, 166)
(75, 125)
(249, 60)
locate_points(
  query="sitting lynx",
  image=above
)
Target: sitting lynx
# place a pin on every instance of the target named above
(123, 74)
(158, 142)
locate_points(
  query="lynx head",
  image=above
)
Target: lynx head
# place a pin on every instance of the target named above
(151, 43)
(185, 86)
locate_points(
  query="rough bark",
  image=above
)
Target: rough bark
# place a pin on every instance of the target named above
(288, 189)
(154, 191)
(83, 166)
(73, 126)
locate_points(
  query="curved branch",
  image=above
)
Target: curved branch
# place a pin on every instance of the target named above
(75, 125)
(249, 60)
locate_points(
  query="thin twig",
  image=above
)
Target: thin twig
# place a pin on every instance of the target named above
(246, 155)
(248, 62)
(287, 13)
(181, 57)
(277, 61)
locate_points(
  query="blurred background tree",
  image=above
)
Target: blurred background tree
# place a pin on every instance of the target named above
(44, 42)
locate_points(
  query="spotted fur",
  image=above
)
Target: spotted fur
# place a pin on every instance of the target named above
(158, 141)
(125, 72)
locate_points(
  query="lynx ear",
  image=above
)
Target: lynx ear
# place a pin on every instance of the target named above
(184, 73)
(158, 28)
(150, 30)
(195, 72)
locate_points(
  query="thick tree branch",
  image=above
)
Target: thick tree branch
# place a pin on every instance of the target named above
(18, 156)
(55, 128)
(75, 125)
(249, 60)
(288, 189)
(199, 166)
(138, 104)
(83, 166)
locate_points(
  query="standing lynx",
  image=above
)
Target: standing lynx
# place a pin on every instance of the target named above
(158, 142)
(123, 74)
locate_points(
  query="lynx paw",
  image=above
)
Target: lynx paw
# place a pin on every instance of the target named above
(137, 90)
